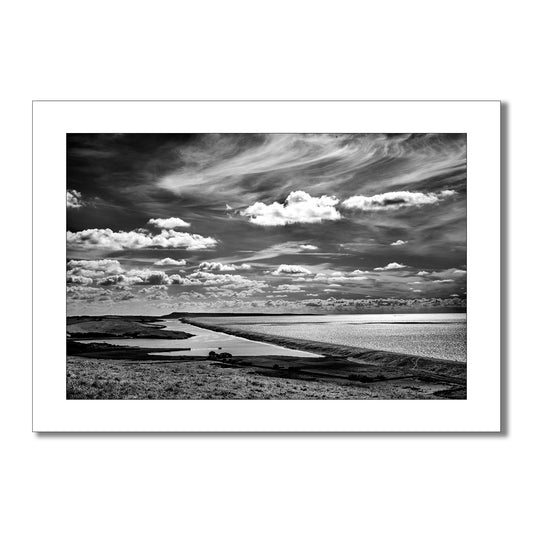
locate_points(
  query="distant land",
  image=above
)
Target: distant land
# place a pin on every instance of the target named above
(179, 314)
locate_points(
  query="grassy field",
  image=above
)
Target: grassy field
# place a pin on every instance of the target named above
(102, 371)
(119, 328)
(127, 380)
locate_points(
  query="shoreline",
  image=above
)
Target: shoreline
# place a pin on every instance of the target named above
(107, 371)
(445, 368)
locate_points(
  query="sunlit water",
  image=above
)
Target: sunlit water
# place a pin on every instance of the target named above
(204, 341)
(438, 335)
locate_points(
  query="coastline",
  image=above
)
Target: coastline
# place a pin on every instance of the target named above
(107, 371)
(454, 370)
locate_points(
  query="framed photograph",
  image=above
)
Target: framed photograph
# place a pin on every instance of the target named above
(281, 266)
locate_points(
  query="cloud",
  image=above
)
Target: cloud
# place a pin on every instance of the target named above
(95, 265)
(77, 292)
(109, 272)
(399, 242)
(290, 269)
(79, 280)
(288, 288)
(395, 200)
(130, 240)
(332, 277)
(299, 208)
(84, 272)
(74, 200)
(391, 266)
(229, 281)
(170, 262)
(422, 273)
(206, 172)
(155, 292)
(168, 223)
(221, 267)
(142, 277)
(443, 281)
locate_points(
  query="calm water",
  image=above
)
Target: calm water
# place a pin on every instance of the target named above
(439, 335)
(204, 341)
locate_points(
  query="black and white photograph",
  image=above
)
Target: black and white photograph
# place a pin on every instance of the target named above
(258, 266)
(266, 267)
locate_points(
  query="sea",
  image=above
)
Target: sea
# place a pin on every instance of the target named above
(436, 335)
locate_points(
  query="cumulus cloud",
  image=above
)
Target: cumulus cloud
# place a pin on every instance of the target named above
(308, 247)
(229, 281)
(168, 223)
(84, 272)
(142, 277)
(170, 262)
(221, 267)
(443, 281)
(290, 269)
(399, 242)
(390, 201)
(299, 207)
(391, 266)
(74, 200)
(79, 280)
(109, 272)
(95, 265)
(129, 240)
(422, 273)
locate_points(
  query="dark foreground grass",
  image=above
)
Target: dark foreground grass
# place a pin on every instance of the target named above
(184, 378)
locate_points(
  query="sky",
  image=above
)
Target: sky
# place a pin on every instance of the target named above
(265, 223)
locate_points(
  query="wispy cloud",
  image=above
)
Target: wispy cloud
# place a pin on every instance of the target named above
(302, 209)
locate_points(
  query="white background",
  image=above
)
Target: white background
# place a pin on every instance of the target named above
(292, 50)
